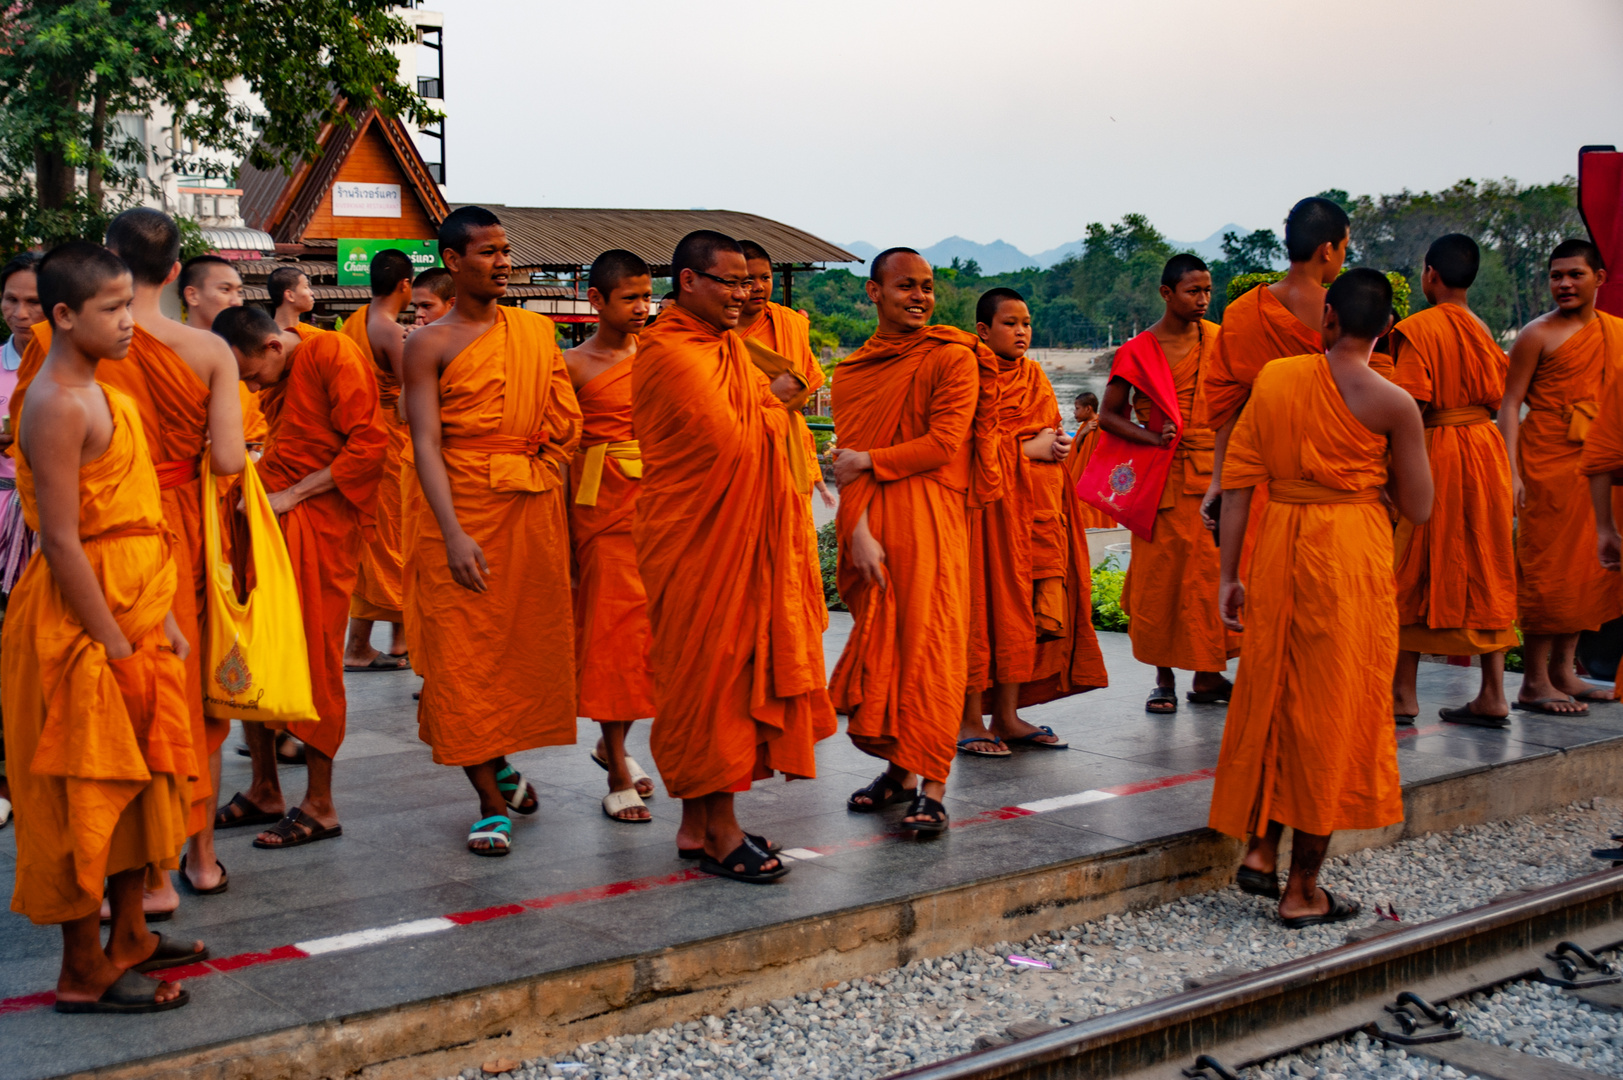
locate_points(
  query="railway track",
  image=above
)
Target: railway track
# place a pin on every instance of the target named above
(1250, 1019)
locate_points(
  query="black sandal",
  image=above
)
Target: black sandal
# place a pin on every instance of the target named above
(923, 804)
(771, 847)
(1464, 715)
(186, 882)
(1257, 883)
(239, 812)
(1211, 697)
(170, 954)
(130, 993)
(295, 829)
(1162, 695)
(751, 858)
(1340, 911)
(881, 793)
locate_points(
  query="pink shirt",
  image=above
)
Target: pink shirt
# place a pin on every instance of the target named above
(10, 361)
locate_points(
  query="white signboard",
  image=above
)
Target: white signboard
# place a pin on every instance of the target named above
(365, 200)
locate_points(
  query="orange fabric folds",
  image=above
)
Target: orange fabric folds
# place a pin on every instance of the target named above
(787, 332)
(724, 548)
(1309, 739)
(1561, 588)
(909, 401)
(498, 666)
(326, 415)
(100, 751)
(378, 589)
(1457, 571)
(612, 634)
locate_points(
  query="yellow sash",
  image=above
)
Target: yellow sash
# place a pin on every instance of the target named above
(628, 454)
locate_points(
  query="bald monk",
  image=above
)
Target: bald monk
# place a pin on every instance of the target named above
(1266, 323)
(376, 328)
(493, 423)
(1085, 413)
(291, 297)
(1457, 572)
(93, 685)
(905, 405)
(208, 285)
(321, 468)
(739, 688)
(614, 684)
(1170, 594)
(432, 293)
(1560, 365)
(1307, 744)
(788, 333)
(1031, 628)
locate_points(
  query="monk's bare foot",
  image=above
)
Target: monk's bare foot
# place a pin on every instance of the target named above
(1205, 681)
(620, 776)
(1293, 907)
(1406, 704)
(160, 901)
(1489, 703)
(1569, 684)
(90, 981)
(323, 814)
(977, 740)
(1019, 729)
(627, 813)
(203, 874)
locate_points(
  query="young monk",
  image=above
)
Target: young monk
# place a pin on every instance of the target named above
(290, 295)
(739, 688)
(1560, 365)
(1307, 744)
(1456, 573)
(376, 328)
(93, 684)
(1170, 594)
(321, 468)
(1085, 413)
(1031, 635)
(208, 285)
(432, 293)
(614, 684)
(493, 422)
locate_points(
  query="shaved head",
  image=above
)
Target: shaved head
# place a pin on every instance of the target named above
(613, 267)
(1311, 224)
(876, 269)
(74, 272)
(148, 241)
(1578, 249)
(1362, 301)
(460, 225)
(699, 251)
(1456, 259)
(752, 250)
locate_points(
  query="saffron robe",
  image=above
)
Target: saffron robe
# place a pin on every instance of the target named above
(613, 677)
(733, 594)
(1085, 515)
(378, 589)
(499, 665)
(1457, 572)
(1309, 740)
(324, 412)
(1561, 588)
(100, 750)
(1170, 594)
(788, 333)
(909, 401)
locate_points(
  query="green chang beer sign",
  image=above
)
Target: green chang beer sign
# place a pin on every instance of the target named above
(355, 257)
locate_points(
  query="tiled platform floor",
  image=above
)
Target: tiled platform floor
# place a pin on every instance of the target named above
(402, 859)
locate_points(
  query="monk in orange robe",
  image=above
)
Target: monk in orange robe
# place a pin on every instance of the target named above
(1456, 573)
(321, 468)
(1085, 412)
(432, 293)
(93, 660)
(1266, 323)
(376, 328)
(1031, 636)
(1170, 594)
(1560, 365)
(1307, 744)
(614, 682)
(739, 685)
(905, 404)
(488, 614)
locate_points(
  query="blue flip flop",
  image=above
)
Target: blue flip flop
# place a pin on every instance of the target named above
(965, 746)
(1031, 740)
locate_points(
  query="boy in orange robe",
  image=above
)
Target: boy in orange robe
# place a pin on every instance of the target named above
(94, 694)
(1456, 573)
(1170, 594)
(1085, 411)
(1031, 636)
(721, 535)
(488, 613)
(614, 684)
(1560, 365)
(1307, 744)
(376, 328)
(905, 405)
(432, 293)
(321, 467)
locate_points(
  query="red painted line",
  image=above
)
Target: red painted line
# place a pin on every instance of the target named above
(500, 911)
(1429, 729)
(1160, 782)
(185, 971)
(615, 888)
(27, 1002)
(250, 959)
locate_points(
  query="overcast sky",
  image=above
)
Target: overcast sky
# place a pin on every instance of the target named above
(1021, 120)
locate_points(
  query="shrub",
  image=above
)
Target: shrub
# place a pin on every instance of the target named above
(1244, 283)
(1108, 578)
(828, 557)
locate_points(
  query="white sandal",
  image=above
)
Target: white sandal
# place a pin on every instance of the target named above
(638, 773)
(616, 801)
(5, 812)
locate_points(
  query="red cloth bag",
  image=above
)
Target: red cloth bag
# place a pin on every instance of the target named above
(1126, 479)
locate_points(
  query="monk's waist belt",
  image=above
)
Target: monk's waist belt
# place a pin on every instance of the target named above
(1306, 491)
(1464, 416)
(126, 533)
(628, 454)
(173, 474)
(529, 445)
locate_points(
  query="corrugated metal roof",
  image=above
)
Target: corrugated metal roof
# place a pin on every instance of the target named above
(263, 268)
(568, 238)
(259, 294)
(223, 238)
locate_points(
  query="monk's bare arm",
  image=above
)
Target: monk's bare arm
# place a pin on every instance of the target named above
(424, 362)
(867, 554)
(1524, 357)
(1231, 537)
(1607, 543)
(227, 450)
(1410, 472)
(1115, 416)
(1219, 452)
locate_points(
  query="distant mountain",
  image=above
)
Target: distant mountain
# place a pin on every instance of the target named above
(1001, 257)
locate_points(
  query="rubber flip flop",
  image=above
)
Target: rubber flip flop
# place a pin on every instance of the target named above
(881, 793)
(497, 831)
(383, 662)
(1597, 696)
(937, 821)
(130, 993)
(616, 801)
(1211, 697)
(171, 954)
(1257, 883)
(1162, 695)
(1542, 705)
(1464, 715)
(1403, 719)
(186, 882)
(247, 814)
(1031, 740)
(751, 858)
(771, 847)
(966, 746)
(1340, 911)
(296, 828)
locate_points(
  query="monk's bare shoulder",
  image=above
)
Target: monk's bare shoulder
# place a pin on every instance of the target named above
(54, 418)
(204, 352)
(1545, 334)
(431, 344)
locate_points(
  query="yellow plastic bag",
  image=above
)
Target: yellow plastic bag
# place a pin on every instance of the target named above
(255, 663)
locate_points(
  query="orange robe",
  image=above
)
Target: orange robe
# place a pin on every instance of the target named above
(324, 412)
(100, 751)
(499, 666)
(1561, 588)
(613, 679)
(1457, 572)
(788, 333)
(378, 589)
(1031, 611)
(733, 595)
(1170, 594)
(909, 401)
(1083, 515)
(1309, 739)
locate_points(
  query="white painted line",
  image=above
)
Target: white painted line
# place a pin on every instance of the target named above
(1060, 802)
(340, 942)
(800, 853)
